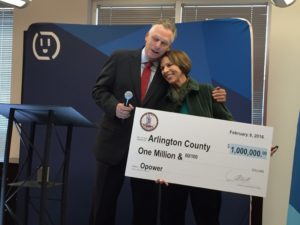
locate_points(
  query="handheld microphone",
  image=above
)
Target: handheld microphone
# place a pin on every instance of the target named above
(128, 95)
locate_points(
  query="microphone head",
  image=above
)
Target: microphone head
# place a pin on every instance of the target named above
(128, 95)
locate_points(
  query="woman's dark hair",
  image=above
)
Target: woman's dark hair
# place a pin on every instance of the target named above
(180, 59)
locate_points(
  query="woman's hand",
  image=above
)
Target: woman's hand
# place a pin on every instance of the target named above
(274, 149)
(161, 181)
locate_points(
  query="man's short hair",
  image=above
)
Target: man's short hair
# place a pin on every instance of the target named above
(167, 24)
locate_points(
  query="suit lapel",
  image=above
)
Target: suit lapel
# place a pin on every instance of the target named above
(156, 86)
(135, 75)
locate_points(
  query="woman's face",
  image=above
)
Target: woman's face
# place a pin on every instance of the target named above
(172, 73)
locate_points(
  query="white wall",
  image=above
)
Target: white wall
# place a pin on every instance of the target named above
(283, 93)
(283, 107)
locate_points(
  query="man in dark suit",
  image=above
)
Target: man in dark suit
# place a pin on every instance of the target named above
(121, 73)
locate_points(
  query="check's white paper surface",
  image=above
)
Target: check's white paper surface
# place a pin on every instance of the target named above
(201, 152)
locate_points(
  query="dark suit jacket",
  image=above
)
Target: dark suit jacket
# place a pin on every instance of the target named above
(121, 73)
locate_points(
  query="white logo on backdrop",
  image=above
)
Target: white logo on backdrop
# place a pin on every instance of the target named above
(45, 45)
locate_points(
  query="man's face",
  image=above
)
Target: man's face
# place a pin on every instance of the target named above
(158, 41)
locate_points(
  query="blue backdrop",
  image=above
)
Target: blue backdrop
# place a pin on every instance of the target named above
(62, 62)
(294, 203)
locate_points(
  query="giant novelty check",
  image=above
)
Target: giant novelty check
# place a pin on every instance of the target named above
(201, 152)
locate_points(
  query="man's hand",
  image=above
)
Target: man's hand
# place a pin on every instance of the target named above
(122, 111)
(219, 94)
